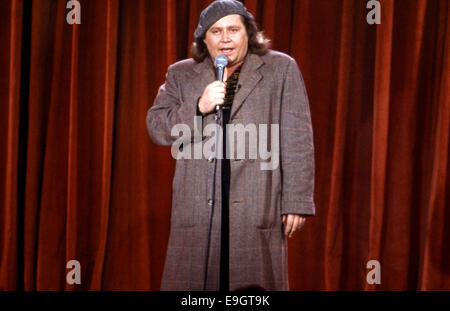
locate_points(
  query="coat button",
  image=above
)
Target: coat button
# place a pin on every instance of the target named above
(210, 202)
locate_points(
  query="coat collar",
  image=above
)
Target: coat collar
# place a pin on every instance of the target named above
(248, 78)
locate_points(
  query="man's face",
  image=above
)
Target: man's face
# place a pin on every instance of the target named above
(228, 36)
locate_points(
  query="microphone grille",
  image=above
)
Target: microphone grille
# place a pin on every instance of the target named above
(221, 60)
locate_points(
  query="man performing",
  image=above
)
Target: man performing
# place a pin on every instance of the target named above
(231, 217)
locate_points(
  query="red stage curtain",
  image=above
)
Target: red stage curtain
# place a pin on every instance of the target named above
(80, 178)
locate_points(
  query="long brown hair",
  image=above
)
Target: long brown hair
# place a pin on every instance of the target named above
(258, 43)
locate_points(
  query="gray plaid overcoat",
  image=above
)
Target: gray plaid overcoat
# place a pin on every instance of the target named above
(271, 91)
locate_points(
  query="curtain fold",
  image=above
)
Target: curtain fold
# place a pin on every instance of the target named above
(435, 257)
(10, 75)
(380, 136)
(81, 180)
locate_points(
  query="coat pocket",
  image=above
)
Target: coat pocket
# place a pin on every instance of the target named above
(184, 213)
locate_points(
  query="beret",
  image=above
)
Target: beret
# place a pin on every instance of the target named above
(216, 11)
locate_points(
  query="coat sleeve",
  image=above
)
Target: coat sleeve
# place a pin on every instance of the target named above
(296, 146)
(169, 110)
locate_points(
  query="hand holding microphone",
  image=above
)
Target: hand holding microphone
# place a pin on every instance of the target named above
(214, 94)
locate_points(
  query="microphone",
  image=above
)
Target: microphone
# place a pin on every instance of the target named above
(221, 62)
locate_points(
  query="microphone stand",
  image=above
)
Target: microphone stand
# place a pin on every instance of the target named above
(218, 118)
(220, 62)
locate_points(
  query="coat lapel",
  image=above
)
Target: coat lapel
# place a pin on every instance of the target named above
(205, 76)
(248, 79)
